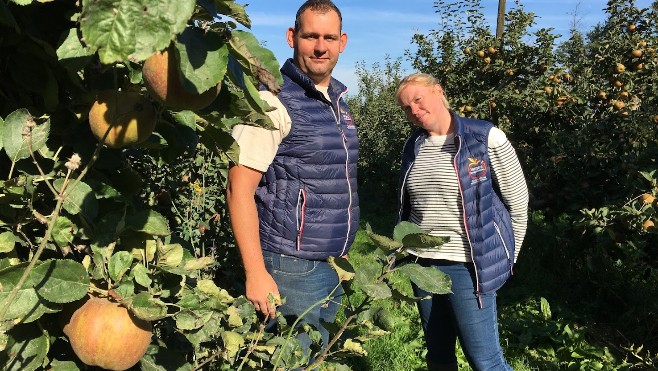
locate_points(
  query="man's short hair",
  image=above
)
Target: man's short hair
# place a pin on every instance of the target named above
(321, 6)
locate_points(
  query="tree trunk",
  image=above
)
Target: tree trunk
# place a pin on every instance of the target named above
(500, 25)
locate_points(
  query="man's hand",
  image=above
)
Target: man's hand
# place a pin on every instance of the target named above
(242, 184)
(260, 289)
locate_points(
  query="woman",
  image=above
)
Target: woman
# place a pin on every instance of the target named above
(461, 178)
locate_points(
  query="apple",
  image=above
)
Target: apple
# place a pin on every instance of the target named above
(163, 81)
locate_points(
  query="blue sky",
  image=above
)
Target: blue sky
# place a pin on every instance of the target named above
(380, 28)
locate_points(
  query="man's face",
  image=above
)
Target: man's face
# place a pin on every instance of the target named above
(317, 44)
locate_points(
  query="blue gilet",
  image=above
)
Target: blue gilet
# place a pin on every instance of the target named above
(307, 199)
(487, 220)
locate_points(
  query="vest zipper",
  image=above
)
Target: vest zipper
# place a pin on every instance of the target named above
(404, 179)
(468, 236)
(336, 110)
(301, 213)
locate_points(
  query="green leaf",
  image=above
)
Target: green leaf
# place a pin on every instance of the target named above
(150, 222)
(251, 97)
(402, 296)
(384, 319)
(198, 264)
(42, 307)
(233, 342)
(146, 307)
(203, 58)
(123, 30)
(79, 198)
(423, 241)
(258, 62)
(13, 141)
(163, 359)
(429, 279)
(7, 242)
(545, 309)
(57, 365)
(141, 275)
(186, 118)
(234, 318)
(170, 255)
(368, 272)
(228, 8)
(119, 264)
(72, 54)
(26, 299)
(63, 231)
(384, 242)
(190, 301)
(192, 320)
(209, 288)
(27, 348)
(367, 280)
(354, 347)
(125, 289)
(405, 228)
(376, 290)
(61, 280)
(206, 333)
(221, 142)
(343, 267)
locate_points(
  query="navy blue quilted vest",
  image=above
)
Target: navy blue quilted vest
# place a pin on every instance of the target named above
(307, 199)
(487, 219)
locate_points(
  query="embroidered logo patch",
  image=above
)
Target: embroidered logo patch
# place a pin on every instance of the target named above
(347, 119)
(477, 170)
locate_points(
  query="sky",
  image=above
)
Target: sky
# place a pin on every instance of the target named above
(378, 29)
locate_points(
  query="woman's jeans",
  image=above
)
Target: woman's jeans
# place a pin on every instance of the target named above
(305, 283)
(457, 315)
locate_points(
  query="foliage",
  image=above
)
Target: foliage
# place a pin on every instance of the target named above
(382, 128)
(78, 217)
(385, 276)
(142, 226)
(582, 116)
(549, 342)
(549, 100)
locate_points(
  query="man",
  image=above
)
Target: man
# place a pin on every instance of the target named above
(292, 196)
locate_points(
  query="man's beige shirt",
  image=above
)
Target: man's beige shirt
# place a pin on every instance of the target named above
(258, 146)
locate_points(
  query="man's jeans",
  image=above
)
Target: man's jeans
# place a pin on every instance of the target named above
(446, 317)
(303, 283)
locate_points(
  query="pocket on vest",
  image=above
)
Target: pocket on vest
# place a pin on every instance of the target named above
(300, 216)
(508, 252)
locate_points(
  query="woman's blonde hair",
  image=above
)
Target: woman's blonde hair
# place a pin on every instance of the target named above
(420, 78)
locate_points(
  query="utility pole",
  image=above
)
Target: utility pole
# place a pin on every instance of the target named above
(500, 24)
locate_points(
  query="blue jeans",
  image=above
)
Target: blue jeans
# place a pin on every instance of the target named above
(303, 283)
(457, 315)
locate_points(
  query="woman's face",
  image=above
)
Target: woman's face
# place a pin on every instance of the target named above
(423, 105)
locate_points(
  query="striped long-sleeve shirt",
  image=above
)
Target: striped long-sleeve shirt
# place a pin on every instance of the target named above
(436, 205)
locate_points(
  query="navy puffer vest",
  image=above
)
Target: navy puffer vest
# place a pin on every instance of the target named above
(307, 199)
(487, 219)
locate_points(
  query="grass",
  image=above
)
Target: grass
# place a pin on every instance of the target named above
(402, 348)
